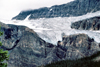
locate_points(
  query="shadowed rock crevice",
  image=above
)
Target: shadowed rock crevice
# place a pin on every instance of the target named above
(15, 44)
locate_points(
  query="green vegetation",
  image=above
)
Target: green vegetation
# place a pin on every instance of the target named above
(3, 55)
(83, 62)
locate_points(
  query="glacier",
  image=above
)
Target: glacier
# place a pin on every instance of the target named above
(51, 29)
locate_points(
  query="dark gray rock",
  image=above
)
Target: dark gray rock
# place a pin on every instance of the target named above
(87, 24)
(74, 8)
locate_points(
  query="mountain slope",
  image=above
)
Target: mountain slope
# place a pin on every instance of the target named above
(75, 8)
(24, 45)
(27, 49)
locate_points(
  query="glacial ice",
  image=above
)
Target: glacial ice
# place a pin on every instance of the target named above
(50, 29)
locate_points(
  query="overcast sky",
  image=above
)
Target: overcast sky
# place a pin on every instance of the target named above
(10, 8)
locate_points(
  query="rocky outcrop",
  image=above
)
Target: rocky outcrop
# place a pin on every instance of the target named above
(27, 49)
(87, 24)
(74, 8)
(78, 46)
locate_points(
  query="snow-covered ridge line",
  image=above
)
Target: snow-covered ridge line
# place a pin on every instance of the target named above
(50, 29)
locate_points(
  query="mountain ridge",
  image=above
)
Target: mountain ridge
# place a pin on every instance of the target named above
(74, 8)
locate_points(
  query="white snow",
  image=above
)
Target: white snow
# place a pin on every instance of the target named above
(50, 9)
(50, 29)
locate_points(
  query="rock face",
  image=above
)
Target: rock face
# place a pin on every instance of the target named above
(74, 8)
(87, 24)
(79, 46)
(27, 49)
